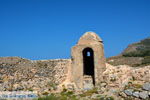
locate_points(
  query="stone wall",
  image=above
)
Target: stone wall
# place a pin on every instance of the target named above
(41, 75)
(57, 69)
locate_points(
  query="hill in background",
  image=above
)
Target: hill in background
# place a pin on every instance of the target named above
(136, 54)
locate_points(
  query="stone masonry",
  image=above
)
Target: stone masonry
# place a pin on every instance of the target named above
(83, 70)
(82, 63)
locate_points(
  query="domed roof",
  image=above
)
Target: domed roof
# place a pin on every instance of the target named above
(89, 36)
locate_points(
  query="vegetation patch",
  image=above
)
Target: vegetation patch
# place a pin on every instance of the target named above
(146, 60)
(89, 92)
(134, 86)
(68, 95)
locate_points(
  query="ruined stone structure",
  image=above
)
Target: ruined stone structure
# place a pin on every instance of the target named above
(86, 69)
(88, 61)
(83, 71)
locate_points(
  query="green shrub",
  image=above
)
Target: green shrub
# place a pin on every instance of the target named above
(138, 53)
(67, 93)
(146, 60)
(109, 98)
(30, 89)
(53, 86)
(45, 93)
(64, 96)
(146, 42)
(89, 92)
(41, 64)
(106, 98)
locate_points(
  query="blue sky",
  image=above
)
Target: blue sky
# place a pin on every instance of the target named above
(47, 29)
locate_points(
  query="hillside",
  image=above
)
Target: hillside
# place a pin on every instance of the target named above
(136, 54)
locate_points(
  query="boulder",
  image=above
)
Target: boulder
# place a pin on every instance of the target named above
(146, 86)
(143, 94)
(122, 94)
(103, 84)
(136, 94)
(129, 92)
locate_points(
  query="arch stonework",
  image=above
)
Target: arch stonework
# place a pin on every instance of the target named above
(88, 40)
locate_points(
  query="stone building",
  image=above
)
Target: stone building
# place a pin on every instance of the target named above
(87, 61)
(83, 71)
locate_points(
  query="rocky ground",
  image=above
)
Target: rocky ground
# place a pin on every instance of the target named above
(121, 82)
(125, 81)
(18, 74)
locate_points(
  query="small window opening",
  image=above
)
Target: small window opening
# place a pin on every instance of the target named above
(88, 54)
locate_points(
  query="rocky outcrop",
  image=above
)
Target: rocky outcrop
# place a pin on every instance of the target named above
(136, 54)
(137, 49)
(122, 74)
(128, 81)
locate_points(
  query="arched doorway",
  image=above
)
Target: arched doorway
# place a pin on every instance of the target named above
(88, 63)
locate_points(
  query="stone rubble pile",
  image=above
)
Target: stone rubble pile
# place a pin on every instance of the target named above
(18, 74)
(120, 76)
(128, 81)
(143, 93)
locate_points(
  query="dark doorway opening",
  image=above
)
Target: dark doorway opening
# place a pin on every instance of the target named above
(88, 63)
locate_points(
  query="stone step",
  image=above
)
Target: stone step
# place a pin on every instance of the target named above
(87, 82)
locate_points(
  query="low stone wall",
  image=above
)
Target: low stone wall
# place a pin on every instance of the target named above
(58, 68)
(41, 75)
